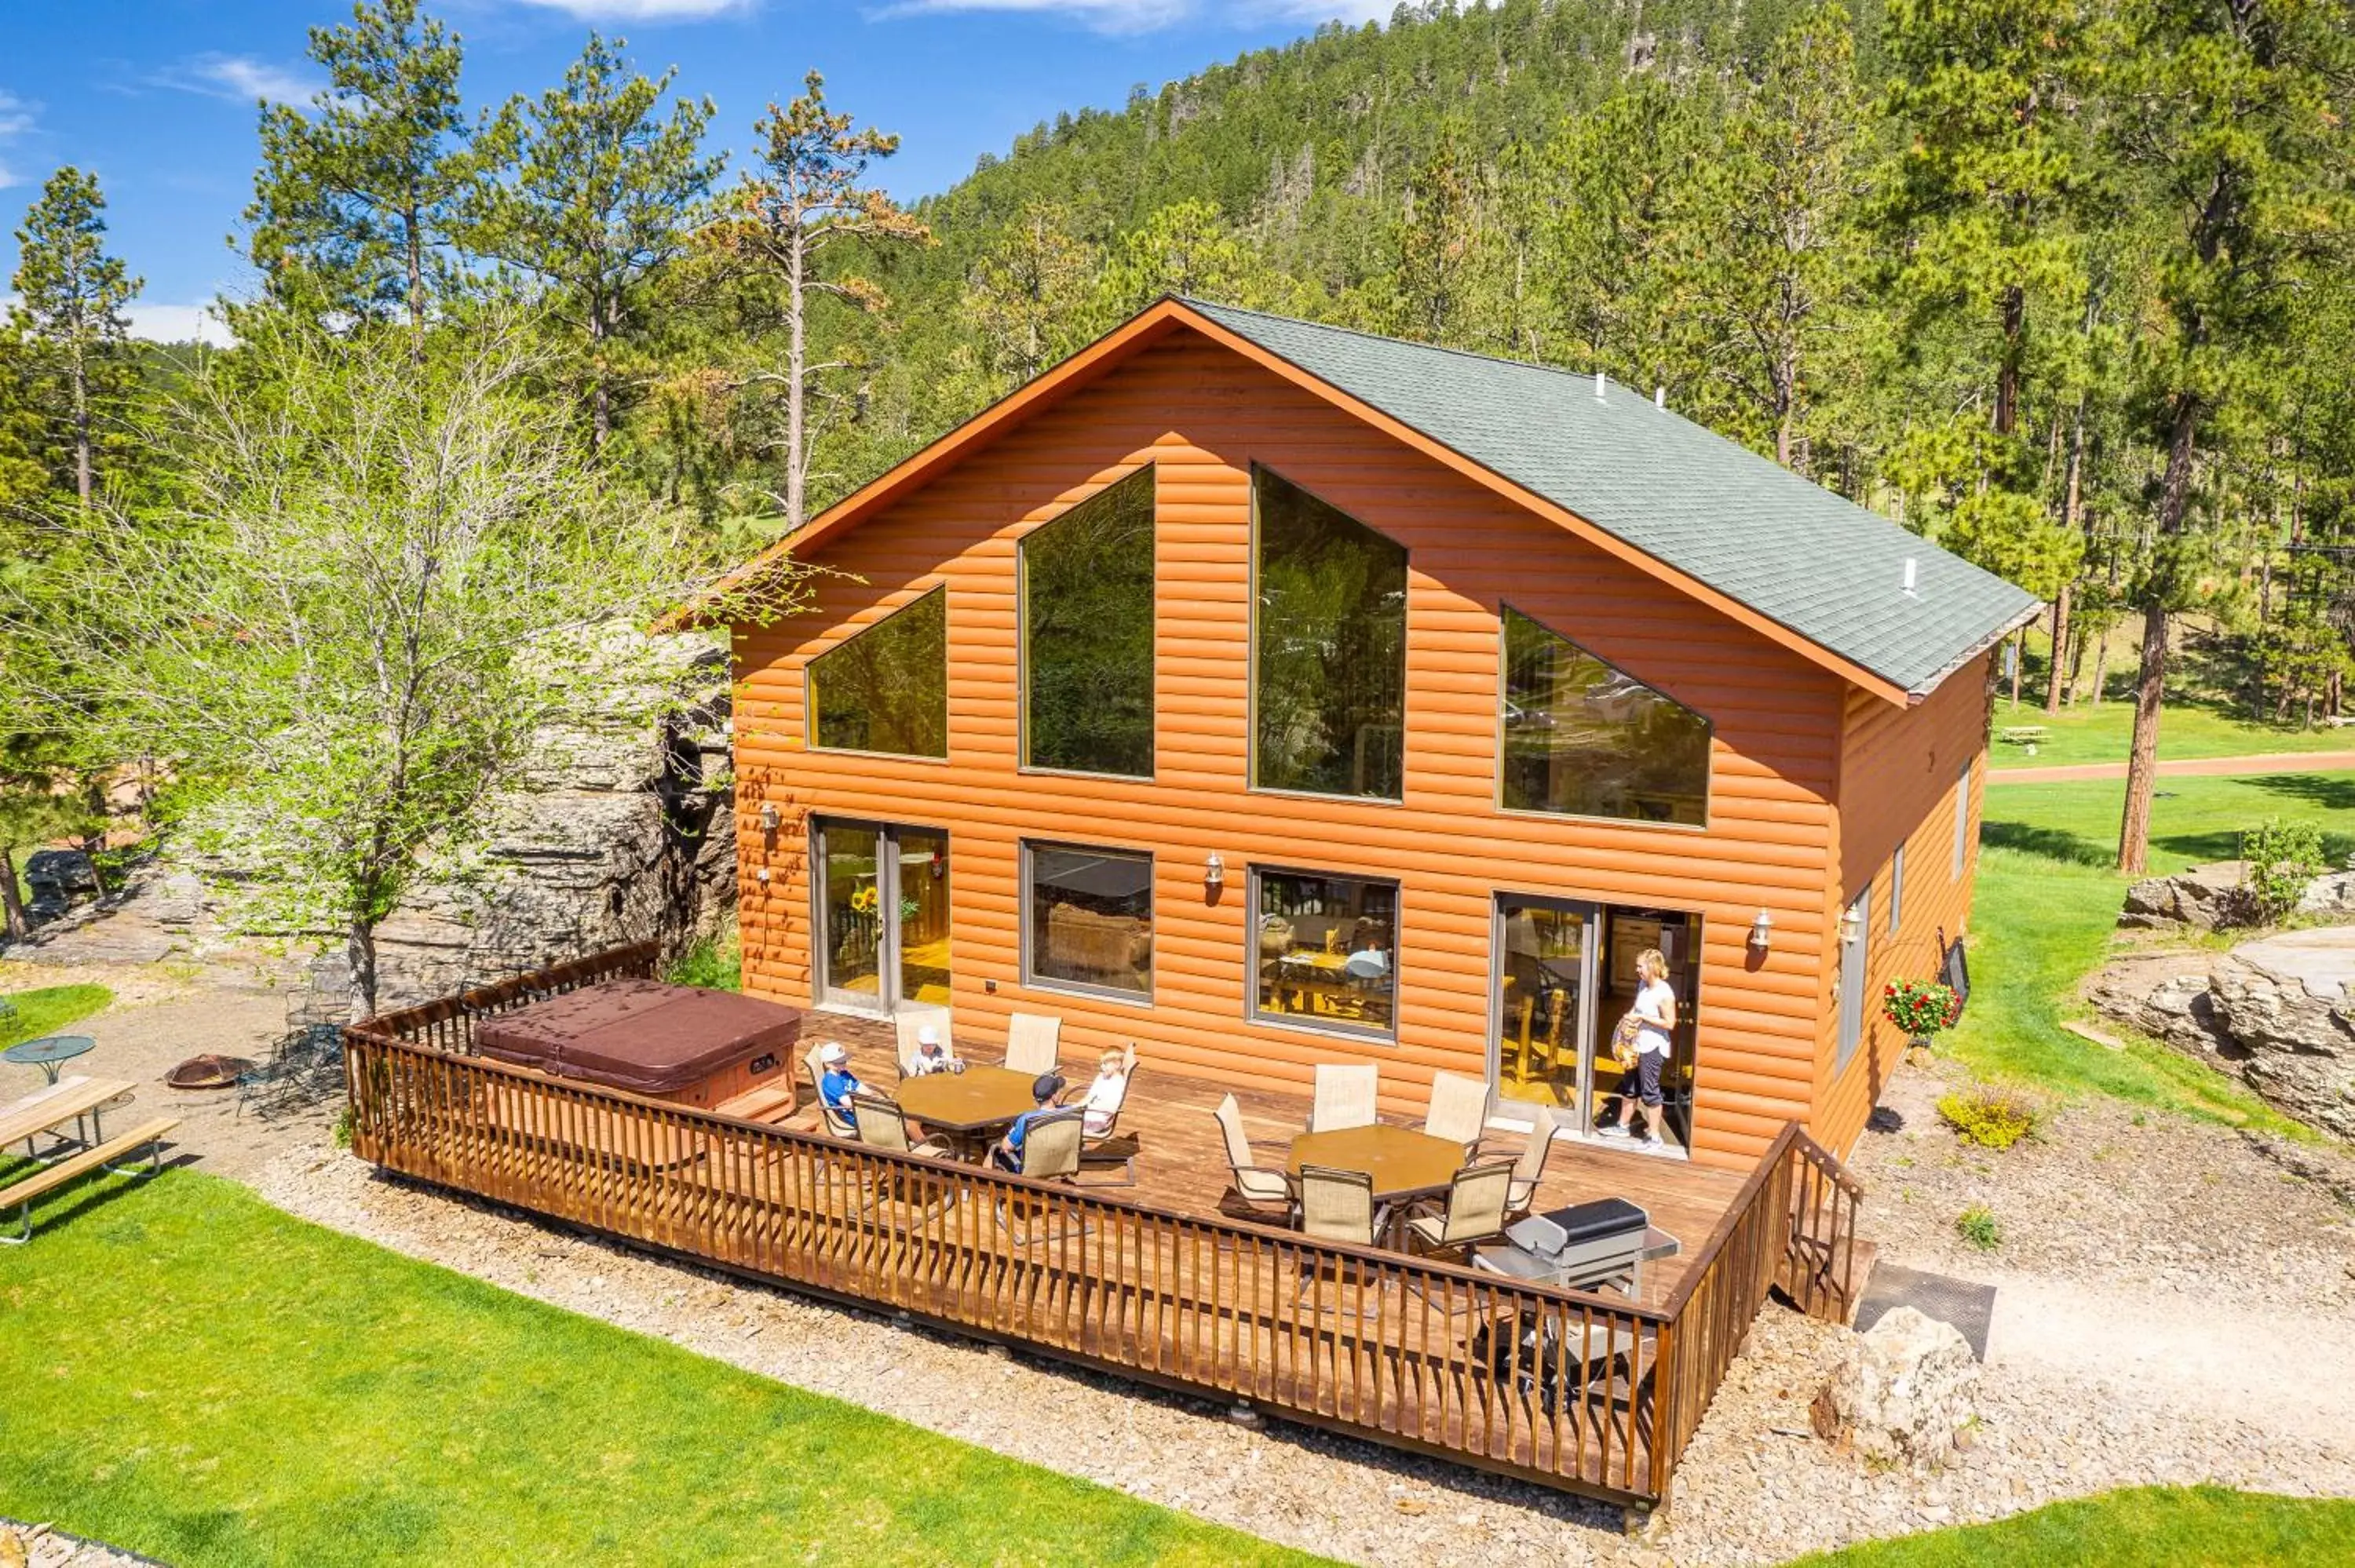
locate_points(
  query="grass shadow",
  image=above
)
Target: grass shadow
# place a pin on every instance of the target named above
(2334, 792)
(2053, 843)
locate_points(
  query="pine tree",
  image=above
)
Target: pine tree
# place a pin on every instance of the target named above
(805, 203)
(1027, 295)
(358, 199)
(599, 195)
(69, 317)
(2235, 111)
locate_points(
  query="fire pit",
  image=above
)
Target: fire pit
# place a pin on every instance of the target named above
(209, 1071)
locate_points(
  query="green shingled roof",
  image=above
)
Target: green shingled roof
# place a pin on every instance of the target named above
(1826, 568)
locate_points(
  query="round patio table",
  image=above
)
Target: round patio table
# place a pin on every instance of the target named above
(49, 1053)
(970, 1103)
(1403, 1162)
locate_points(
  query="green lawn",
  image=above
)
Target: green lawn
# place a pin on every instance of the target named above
(2047, 909)
(2205, 1525)
(48, 1009)
(195, 1375)
(2187, 728)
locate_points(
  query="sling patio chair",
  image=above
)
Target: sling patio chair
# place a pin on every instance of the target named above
(1337, 1206)
(911, 1025)
(1344, 1097)
(1459, 1110)
(1107, 1148)
(1258, 1186)
(1475, 1212)
(1529, 1169)
(883, 1125)
(1033, 1042)
(839, 1123)
(1050, 1152)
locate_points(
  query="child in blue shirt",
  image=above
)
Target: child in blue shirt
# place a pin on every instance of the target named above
(837, 1083)
(1008, 1152)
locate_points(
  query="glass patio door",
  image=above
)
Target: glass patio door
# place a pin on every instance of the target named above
(882, 920)
(1540, 1048)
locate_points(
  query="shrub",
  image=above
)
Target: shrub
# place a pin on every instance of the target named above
(342, 1132)
(715, 963)
(2283, 857)
(1989, 1116)
(1977, 1225)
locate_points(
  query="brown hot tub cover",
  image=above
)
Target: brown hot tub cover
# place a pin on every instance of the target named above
(639, 1034)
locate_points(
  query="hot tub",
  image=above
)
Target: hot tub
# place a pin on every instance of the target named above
(673, 1043)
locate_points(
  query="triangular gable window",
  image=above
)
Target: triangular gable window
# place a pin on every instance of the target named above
(1583, 738)
(887, 689)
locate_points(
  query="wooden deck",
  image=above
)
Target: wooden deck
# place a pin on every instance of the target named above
(1587, 1390)
(1182, 1164)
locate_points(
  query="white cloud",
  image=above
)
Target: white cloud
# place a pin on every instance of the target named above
(178, 323)
(1104, 16)
(645, 10)
(16, 119)
(242, 78)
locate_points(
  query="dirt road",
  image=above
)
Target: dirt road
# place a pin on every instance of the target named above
(2192, 766)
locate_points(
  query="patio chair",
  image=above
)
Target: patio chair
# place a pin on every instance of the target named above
(1033, 1042)
(1337, 1205)
(1529, 1169)
(908, 1024)
(1475, 1212)
(1255, 1184)
(1050, 1152)
(839, 1123)
(304, 1066)
(1110, 1148)
(1345, 1098)
(881, 1124)
(1459, 1110)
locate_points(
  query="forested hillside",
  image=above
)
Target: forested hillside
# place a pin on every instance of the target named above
(2064, 284)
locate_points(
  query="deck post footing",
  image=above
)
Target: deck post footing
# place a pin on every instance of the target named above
(1243, 1415)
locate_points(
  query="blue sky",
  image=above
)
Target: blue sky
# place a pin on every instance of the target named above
(158, 96)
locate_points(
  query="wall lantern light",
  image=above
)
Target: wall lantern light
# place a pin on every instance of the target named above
(1761, 931)
(939, 863)
(1852, 924)
(1214, 873)
(769, 819)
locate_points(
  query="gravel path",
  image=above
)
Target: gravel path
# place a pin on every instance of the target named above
(42, 1547)
(2103, 1400)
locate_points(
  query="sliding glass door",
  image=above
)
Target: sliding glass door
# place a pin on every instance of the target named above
(1538, 1049)
(882, 917)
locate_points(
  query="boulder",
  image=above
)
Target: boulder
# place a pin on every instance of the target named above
(1903, 1394)
(2278, 1013)
(2332, 893)
(2203, 898)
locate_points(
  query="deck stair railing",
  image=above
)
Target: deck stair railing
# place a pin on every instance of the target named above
(1581, 1390)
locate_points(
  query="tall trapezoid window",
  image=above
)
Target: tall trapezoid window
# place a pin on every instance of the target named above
(1087, 634)
(1328, 667)
(887, 689)
(1585, 739)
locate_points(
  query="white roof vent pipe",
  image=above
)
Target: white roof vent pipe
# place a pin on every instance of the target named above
(1909, 578)
(1659, 397)
(1598, 387)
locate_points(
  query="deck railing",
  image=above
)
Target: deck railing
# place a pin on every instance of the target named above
(1585, 1392)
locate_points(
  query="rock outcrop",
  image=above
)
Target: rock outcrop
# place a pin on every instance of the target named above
(2278, 1013)
(1903, 1394)
(2204, 898)
(617, 829)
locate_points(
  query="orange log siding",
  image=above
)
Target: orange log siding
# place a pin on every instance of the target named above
(1787, 733)
(1901, 782)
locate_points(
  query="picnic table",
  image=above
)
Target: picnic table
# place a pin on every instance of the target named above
(2028, 735)
(49, 1053)
(46, 1110)
(71, 1099)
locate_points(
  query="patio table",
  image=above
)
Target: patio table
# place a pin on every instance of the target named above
(970, 1104)
(48, 1053)
(1404, 1163)
(73, 1101)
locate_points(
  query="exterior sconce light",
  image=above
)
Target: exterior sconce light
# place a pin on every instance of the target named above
(761, 876)
(1761, 931)
(1852, 924)
(768, 819)
(1214, 873)
(940, 864)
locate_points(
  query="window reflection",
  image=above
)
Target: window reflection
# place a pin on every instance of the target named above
(1586, 739)
(887, 689)
(1328, 949)
(1330, 649)
(1091, 918)
(1087, 625)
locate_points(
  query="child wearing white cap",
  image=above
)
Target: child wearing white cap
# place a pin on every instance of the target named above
(931, 1055)
(839, 1083)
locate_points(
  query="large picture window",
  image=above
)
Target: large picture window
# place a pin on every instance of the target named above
(1090, 919)
(1329, 648)
(1327, 950)
(1087, 634)
(887, 689)
(1585, 739)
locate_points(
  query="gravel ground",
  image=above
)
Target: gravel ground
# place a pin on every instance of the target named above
(2149, 1227)
(42, 1547)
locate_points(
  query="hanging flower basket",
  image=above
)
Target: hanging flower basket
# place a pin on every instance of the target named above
(1923, 1009)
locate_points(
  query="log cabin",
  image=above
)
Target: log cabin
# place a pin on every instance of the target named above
(1269, 693)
